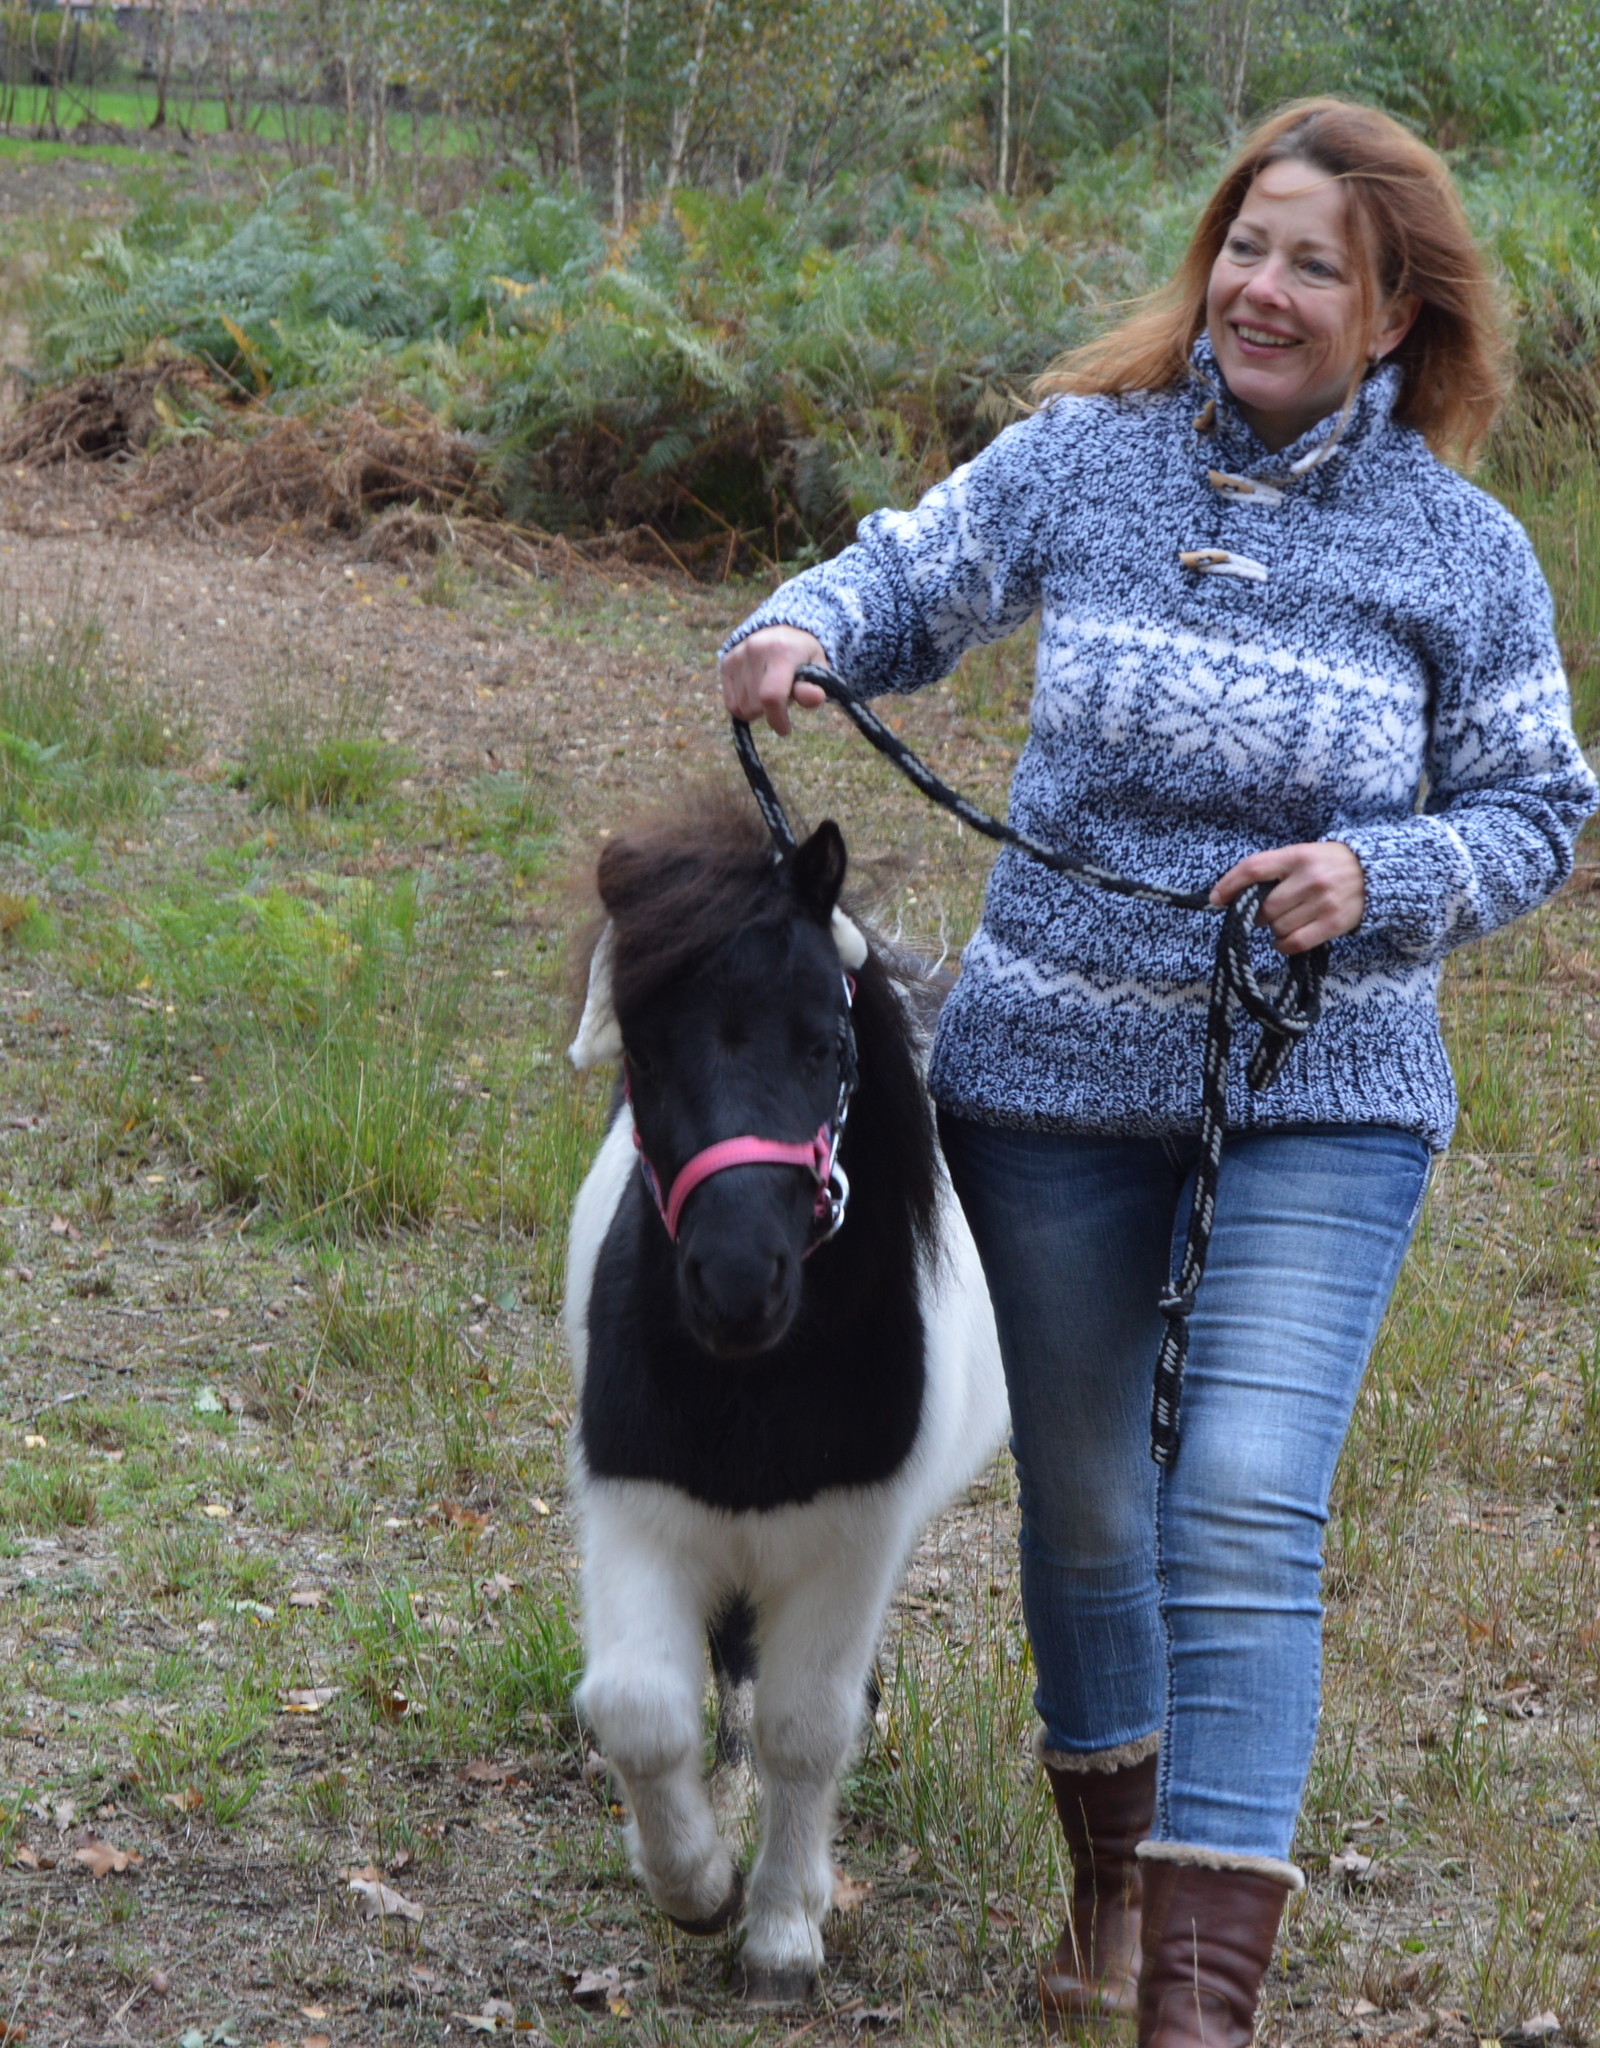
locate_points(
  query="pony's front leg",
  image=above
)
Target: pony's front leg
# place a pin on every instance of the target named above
(816, 1651)
(642, 1693)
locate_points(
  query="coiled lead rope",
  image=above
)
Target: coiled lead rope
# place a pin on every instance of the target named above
(1284, 1018)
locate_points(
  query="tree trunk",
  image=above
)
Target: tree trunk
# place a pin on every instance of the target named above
(574, 125)
(1005, 96)
(778, 154)
(683, 112)
(619, 129)
(166, 53)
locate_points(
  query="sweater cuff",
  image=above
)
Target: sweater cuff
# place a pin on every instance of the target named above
(1406, 895)
(789, 608)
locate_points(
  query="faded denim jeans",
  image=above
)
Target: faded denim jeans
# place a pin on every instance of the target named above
(1185, 1602)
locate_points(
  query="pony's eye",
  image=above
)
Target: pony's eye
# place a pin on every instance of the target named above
(639, 1060)
(816, 1053)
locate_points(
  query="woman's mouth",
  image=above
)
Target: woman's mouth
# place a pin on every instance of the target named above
(1262, 337)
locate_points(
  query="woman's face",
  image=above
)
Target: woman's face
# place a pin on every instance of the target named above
(1284, 305)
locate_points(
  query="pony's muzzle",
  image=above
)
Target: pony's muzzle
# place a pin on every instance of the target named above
(739, 1262)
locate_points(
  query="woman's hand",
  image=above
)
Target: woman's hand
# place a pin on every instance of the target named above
(758, 675)
(1321, 892)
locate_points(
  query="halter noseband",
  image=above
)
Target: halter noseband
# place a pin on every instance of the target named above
(819, 1156)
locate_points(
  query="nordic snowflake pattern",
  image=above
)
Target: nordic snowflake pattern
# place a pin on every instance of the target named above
(1393, 683)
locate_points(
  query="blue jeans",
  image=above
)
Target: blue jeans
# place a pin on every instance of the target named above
(1185, 1602)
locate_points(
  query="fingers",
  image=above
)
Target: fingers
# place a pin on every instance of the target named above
(758, 676)
(1319, 892)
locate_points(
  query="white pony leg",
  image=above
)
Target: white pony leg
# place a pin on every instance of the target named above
(816, 1649)
(642, 1692)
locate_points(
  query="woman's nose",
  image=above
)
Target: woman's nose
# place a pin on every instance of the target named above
(1267, 286)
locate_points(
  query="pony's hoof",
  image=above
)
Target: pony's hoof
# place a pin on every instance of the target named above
(767, 1985)
(725, 1914)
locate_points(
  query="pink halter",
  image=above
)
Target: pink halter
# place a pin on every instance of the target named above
(820, 1157)
(817, 1158)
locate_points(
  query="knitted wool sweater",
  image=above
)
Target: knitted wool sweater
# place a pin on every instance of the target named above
(1367, 656)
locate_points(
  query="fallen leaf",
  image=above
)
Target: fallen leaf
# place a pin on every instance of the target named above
(316, 2041)
(306, 1699)
(313, 2012)
(594, 1987)
(478, 2022)
(25, 1859)
(103, 1859)
(1544, 2026)
(874, 2016)
(60, 1227)
(217, 1510)
(619, 2008)
(1351, 1865)
(850, 1894)
(308, 1596)
(63, 1812)
(495, 1776)
(498, 1587)
(539, 1507)
(378, 1902)
(34, 1443)
(188, 1801)
(209, 1402)
(468, 1520)
(399, 1860)
(12, 2030)
(390, 1703)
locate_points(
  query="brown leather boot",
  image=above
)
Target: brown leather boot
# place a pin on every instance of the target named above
(1105, 1815)
(1208, 1938)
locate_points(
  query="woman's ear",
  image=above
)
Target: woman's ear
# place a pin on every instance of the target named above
(1395, 321)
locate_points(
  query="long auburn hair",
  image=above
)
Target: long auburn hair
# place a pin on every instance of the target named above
(1409, 227)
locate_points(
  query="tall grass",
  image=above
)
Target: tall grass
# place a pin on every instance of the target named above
(78, 736)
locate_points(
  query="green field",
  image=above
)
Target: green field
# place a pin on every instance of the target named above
(288, 1145)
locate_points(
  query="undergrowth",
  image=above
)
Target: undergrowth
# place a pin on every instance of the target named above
(747, 374)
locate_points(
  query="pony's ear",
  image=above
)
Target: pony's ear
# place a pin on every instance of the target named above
(818, 871)
(599, 1035)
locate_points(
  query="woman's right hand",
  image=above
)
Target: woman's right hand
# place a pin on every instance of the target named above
(758, 675)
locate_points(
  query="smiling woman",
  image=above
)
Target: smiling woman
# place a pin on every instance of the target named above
(1281, 641)
(1289, 308)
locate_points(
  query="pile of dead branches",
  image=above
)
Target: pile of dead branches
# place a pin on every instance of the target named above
(318, 478)
(94, 419)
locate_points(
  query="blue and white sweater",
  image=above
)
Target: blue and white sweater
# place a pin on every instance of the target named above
(1391, 680)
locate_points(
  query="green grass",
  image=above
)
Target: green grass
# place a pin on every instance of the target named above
(305, 1108)
(201, 116)
(78, 737)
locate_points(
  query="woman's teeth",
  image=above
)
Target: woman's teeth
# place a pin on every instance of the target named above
(1258, 338)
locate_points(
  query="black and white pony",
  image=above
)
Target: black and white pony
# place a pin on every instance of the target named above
(775, 1393)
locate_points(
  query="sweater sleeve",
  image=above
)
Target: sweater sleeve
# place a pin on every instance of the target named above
(1508, 788)
(898, 608)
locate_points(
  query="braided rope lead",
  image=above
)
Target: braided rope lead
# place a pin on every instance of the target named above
(1284, 1018)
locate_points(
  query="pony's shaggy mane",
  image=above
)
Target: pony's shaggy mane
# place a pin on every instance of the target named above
(677, 889)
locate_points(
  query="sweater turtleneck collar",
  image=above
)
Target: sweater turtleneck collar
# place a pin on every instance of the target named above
(1231, 443)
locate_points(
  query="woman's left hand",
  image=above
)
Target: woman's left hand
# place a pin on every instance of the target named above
(1321, 892)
